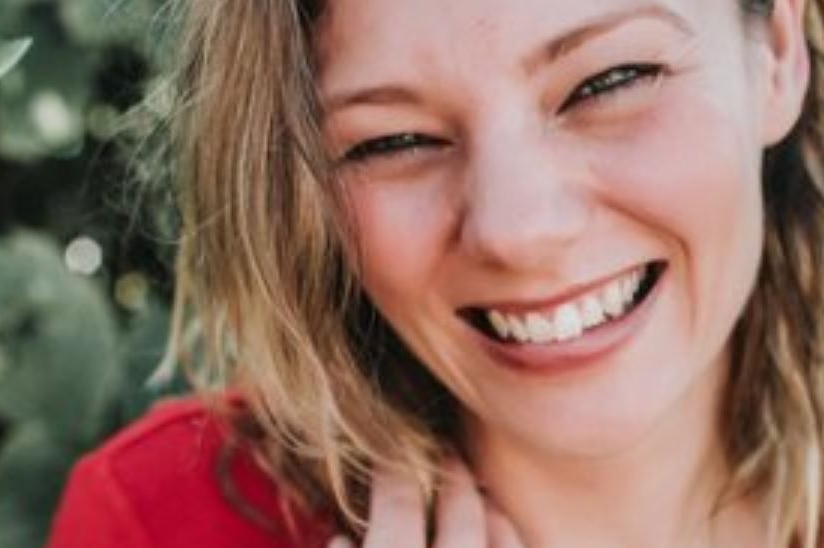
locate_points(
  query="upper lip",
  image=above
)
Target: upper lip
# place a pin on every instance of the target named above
(570, 293)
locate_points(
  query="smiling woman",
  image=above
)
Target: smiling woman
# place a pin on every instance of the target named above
(536, 270)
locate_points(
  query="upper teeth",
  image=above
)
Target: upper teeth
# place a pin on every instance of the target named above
(569, 320)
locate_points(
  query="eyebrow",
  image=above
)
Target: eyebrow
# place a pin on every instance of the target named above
(569, 41)
(382, 94)
(547, 54)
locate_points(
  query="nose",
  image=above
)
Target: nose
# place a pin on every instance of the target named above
(526, 204)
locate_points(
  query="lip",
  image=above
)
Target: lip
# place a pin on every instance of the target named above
(570, 294)
(586, 351)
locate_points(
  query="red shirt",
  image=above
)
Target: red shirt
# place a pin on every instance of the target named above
(156, 485)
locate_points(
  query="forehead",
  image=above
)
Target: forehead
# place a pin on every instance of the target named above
(392, 34)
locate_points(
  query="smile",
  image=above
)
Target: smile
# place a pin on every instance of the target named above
(570, 319)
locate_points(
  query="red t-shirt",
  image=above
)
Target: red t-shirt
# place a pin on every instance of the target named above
(156, 485)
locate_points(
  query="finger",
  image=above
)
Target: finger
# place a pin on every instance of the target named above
(341, 541)
(500, 529)
(396, 513)
(459, 511)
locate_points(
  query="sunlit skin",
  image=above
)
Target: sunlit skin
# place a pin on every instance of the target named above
(514, 175)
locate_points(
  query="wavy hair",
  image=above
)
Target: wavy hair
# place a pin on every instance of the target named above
(262, 268)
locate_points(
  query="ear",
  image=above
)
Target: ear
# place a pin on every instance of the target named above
(788, 69)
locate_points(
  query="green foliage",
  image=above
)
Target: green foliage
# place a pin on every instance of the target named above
(84, 296)
(11, 52)
(54, 369)
(32, 468)
(48, 102)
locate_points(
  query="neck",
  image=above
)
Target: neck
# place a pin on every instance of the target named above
(662, 491)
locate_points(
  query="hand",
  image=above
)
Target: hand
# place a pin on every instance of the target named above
(463, 519)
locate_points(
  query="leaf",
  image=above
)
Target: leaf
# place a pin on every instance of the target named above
(12, 52)
(43, 103)
(59, 370)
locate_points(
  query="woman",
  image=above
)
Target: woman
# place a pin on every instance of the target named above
(550, 269)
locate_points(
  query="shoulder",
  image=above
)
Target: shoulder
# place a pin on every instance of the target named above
(166, 481)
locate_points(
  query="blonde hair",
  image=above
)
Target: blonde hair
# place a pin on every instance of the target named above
(262, 267)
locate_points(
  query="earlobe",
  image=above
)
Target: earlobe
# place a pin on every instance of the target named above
(788, 74)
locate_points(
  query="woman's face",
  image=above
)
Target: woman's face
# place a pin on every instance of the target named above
(557, 202)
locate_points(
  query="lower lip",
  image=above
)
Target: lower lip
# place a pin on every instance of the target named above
(576, 354)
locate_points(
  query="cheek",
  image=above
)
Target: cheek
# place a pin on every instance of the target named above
(401, 231)
(692, 168)
(692, 174)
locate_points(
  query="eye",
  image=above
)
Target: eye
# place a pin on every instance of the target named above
(611, 81)
(391, 145)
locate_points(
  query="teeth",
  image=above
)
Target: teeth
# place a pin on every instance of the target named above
(592, 311)
(629, 286)
(499, 322)
(626, 291)
(539, 328)
(613, 299)
(569, 320)
(518, 330)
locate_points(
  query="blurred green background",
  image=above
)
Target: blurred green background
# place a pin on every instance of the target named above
(85, 249)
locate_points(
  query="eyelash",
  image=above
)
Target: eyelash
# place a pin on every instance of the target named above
(595, 88)
(612, 80)
(390, 145)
